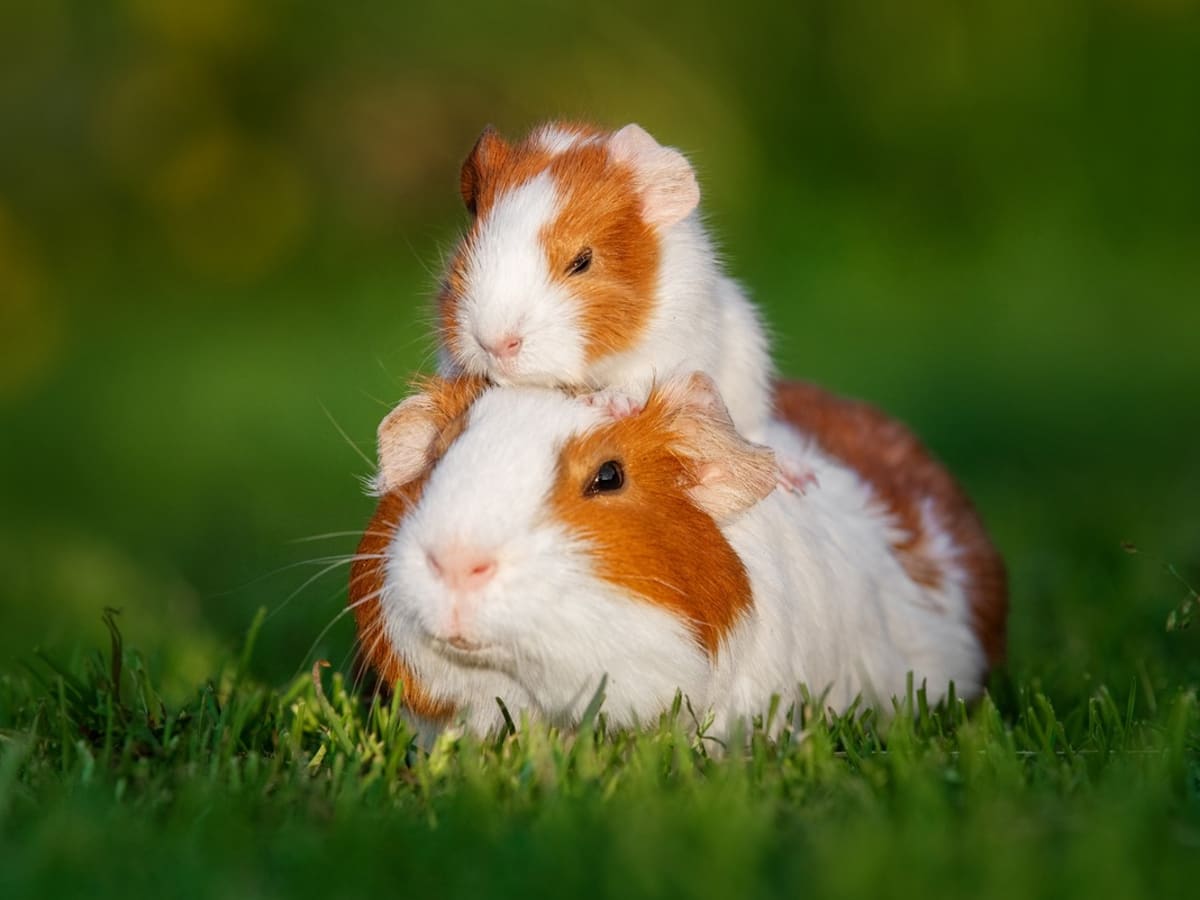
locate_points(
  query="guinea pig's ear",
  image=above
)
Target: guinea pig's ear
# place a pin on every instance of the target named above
(664, 178)
(484, 156)
(407, 436)
(415, 434)
(729, 473)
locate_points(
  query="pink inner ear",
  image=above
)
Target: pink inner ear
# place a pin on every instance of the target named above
(664, 177)
(631, 143)
(697, 392)
(731, 474)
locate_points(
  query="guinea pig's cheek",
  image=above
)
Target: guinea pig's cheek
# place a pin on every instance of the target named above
(467, 356)
(496, 613)
(535, 575)
(414, 594)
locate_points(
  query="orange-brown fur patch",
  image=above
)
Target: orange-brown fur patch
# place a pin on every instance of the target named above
(903, 475)
(650, 538)
(451, 397)
(601, 210)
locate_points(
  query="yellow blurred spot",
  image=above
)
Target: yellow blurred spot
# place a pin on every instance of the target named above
(231, 207)
(220, 23)
(151, 110)
(30, 328)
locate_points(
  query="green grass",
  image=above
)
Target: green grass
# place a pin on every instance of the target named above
(245, 789)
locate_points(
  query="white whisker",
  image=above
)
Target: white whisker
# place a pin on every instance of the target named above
(358, 450)
(319, 575)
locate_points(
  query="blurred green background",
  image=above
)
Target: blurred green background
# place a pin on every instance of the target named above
(221, 224)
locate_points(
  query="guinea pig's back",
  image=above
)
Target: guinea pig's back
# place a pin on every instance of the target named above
(911, 483)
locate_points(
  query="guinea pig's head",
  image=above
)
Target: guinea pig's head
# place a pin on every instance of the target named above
(559, 266)
(529, 543)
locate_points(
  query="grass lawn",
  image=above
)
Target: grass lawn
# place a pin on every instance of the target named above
(106, 790)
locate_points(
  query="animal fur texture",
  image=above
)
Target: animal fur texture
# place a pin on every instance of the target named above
(650, 299)
(495, 568)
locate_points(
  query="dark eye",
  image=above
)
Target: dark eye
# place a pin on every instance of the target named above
(581, 262)
(609, 477)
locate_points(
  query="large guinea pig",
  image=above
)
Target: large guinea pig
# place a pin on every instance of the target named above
(586, 265)
(529, 543)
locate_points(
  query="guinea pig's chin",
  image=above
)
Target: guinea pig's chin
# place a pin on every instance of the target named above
(509, 378)
(466, 643)
(471, 653)
(461, 650)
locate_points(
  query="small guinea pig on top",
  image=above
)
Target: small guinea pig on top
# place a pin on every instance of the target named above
(527, 544)
(586, 266)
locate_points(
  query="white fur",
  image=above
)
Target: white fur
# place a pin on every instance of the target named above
(832, 607)
(559, 140)
(509, 291)
(701, 321)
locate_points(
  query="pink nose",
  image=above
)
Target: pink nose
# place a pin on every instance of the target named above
(504, 349)
(462, 568)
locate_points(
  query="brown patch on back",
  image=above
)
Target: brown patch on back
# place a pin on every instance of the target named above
(651, 539)
(601, 210)
(905, 475)
(916, 556)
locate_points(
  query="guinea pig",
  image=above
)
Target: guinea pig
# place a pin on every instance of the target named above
(530, 544)
(586, 265)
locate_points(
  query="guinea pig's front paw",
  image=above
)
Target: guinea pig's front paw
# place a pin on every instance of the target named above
(796, 479)
(616, 404)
